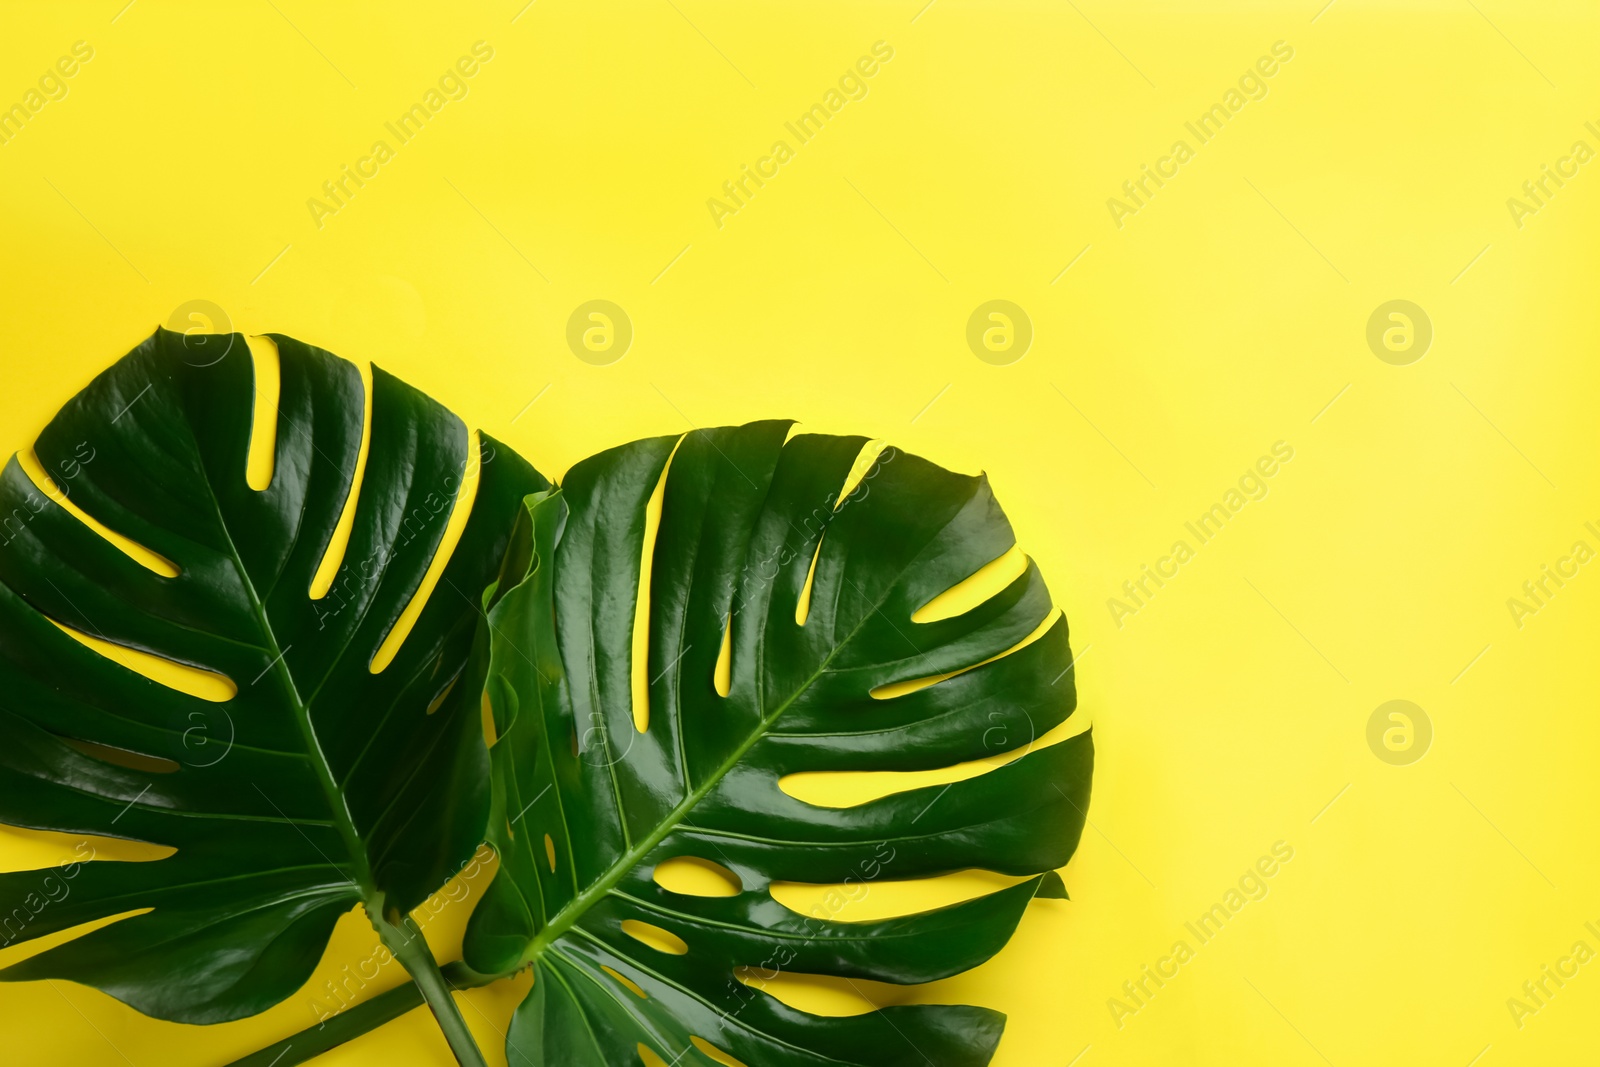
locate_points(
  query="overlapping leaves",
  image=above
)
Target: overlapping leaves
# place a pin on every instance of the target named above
(780, 630)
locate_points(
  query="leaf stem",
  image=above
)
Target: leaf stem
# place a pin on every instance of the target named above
(406, 942)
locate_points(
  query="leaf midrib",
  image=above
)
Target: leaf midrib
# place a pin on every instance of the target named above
(580, 905)
(315, 756)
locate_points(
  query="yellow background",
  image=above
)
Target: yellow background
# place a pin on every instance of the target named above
(1224, 316)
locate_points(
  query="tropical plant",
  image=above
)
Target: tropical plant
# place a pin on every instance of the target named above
(773, 618)
(660, 642)
(782, 634)
(314, 780)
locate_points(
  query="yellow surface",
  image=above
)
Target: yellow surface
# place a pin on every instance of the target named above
(1228, 313)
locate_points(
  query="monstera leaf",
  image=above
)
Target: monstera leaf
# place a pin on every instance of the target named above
(776, 615)
(328, 778)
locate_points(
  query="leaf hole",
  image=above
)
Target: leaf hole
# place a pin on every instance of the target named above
(722, 677)
(122, 757)
(859, 471)
(632, 986)
(339, 540)
(991, 578)
(655, 937)
(194, 681)
(816, 994)
(31, 850)
(714, 1053)
(640, 661)
(42, 481)
(873, 900)
(486, 714)
(849, 789)
(890, 690)
(802, 607)
(692, 876)
(437, 702)
(454, 526)
(550, 852)
(17, 919)
(649, 1057)
(259, 458)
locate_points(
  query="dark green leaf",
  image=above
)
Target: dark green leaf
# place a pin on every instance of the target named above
(743, 512)
(320, 784)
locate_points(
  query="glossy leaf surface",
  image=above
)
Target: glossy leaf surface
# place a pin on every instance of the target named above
(589, 805)
(318, 784)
